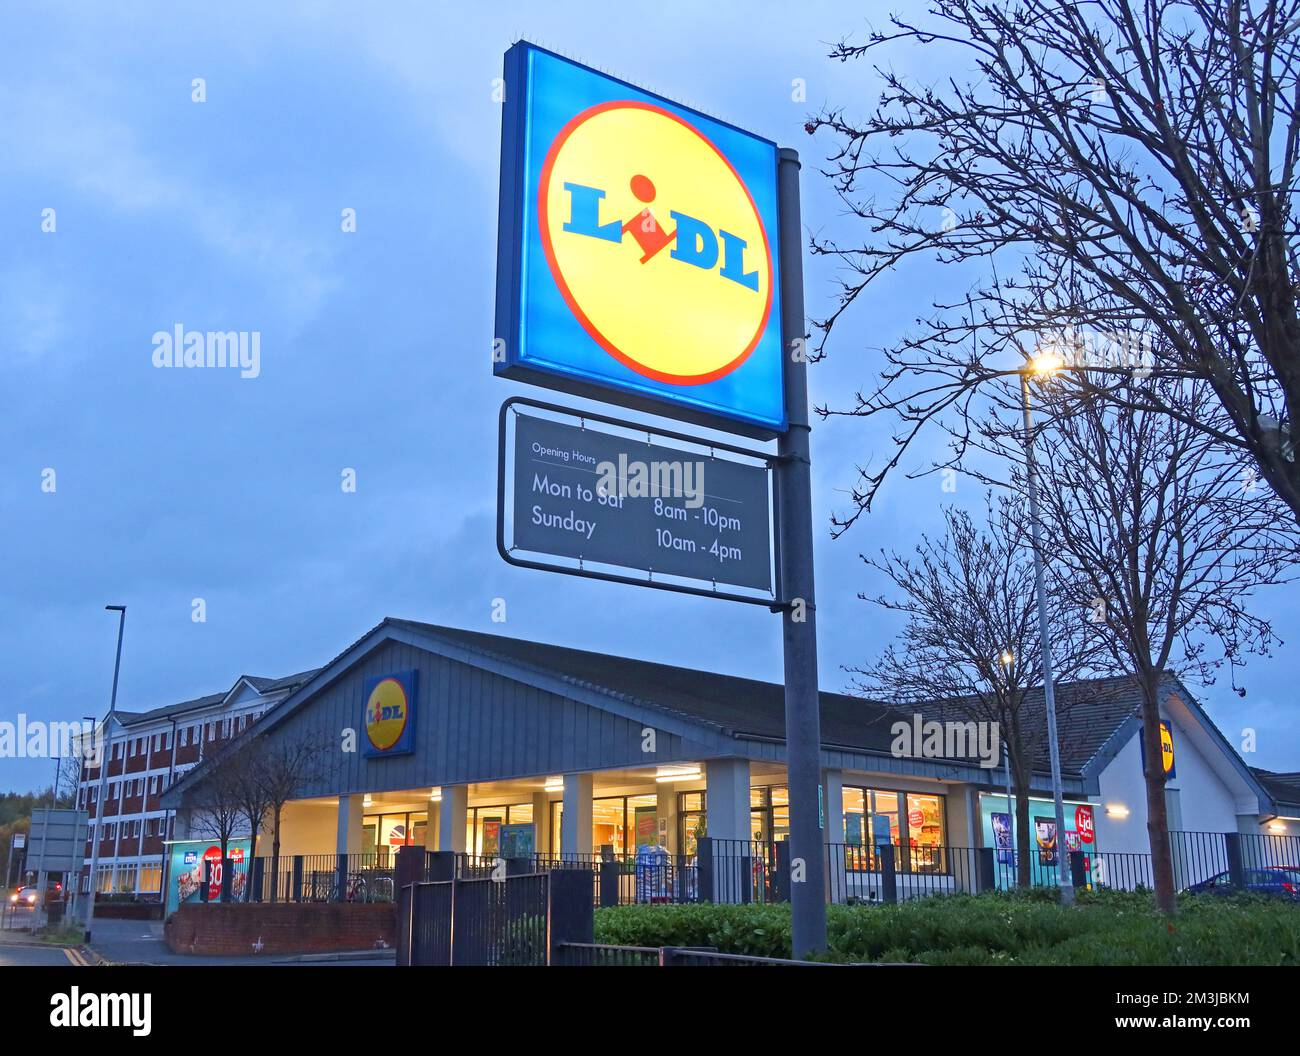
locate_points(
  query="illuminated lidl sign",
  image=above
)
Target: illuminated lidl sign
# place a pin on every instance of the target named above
(1167, 749)
(637, 252)
(1167, 760)
(388, 721)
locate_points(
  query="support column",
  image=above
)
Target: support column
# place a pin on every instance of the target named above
(432, 827)
(541, 823)
(666, 808)
(833, 804)
(349, 836)
(728, 874)
(575, 828)
(832, 808)
(727, 803)
(451, 820)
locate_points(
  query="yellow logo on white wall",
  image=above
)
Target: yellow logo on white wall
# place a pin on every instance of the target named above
(1167, 747)
(655, 242)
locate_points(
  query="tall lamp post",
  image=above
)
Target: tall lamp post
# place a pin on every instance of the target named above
(1042, 366)
(105, 755)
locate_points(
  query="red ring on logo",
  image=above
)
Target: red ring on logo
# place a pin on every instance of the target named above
(543, 184)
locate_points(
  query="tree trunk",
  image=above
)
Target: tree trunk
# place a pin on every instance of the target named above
(1162, 862)
(1025, 866)
(248, 866)
(224, 886)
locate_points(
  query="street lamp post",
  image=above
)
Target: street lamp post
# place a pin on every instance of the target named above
(105, 754)
(1045, 365)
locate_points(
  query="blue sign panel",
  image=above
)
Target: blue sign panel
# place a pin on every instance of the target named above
(388, 721)
(637, 250)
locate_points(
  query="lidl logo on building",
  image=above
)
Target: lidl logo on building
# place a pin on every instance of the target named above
(1167, 749)
(389, 716)
(637, 249)
(1167, 760)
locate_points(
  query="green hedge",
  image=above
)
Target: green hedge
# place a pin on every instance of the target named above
(1107, 928)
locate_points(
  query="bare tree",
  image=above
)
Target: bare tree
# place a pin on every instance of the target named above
(1120, 172)
(218, 810)
(970, 645)
(270, 772)
(1159, 536)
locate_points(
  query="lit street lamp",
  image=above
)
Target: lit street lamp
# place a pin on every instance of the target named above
(1044, 365)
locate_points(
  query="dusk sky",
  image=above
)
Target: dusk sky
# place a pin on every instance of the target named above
(224, 215)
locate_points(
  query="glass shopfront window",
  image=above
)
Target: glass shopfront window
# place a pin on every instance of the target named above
(691, 820)
(383, 834)
(483, 826)
(769, 813)
(915, 821)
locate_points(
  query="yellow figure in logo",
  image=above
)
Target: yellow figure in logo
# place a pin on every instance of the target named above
(386, 714)
(655, 242)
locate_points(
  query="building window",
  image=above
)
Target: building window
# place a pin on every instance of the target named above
(483, 825)
(691, 820)
(622, 823)
(150, 878)
(769, 813)
(915, 822)
(383, 834)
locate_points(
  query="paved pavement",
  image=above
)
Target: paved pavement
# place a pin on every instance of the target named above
(141, 942)
(33, 956)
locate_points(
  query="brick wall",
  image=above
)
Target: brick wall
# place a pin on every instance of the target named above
(281, 928)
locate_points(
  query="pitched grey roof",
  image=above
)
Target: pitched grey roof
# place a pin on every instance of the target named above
(1089, 712)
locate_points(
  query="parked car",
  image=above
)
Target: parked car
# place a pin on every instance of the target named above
(1279, 882)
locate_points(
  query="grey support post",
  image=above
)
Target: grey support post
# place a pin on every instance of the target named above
(798, 608)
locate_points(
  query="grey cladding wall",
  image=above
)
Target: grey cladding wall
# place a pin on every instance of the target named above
(470, 725)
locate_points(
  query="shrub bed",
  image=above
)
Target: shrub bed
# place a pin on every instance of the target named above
(1027, 928)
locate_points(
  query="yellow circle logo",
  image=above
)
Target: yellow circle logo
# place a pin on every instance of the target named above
(1166, 747)
(387, 712)
(655, 242)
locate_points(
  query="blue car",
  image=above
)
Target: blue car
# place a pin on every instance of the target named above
(1279, 882)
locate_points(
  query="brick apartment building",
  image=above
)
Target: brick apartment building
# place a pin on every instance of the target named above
(148, 751)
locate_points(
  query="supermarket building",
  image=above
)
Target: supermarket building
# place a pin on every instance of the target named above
(578, 753)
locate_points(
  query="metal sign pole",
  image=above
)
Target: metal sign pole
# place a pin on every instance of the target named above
(798, 614)
(104, 758)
